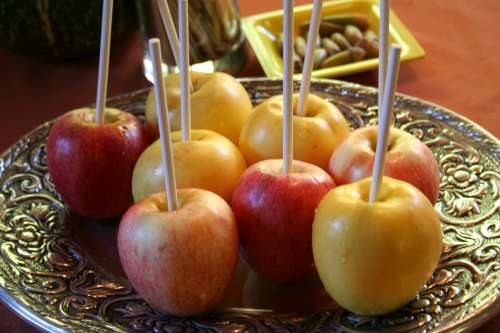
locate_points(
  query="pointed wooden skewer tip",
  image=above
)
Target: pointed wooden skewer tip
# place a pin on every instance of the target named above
(312, 36)
(288, 85)
(102, 79)
(384, 126)
(163, 125)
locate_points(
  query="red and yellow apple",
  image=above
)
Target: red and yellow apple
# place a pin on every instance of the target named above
(407, 159)
(315, 135)
(91, 164)
(180, 262)
(208, 161)
(275, 211)
(374, 258)
(218, 103)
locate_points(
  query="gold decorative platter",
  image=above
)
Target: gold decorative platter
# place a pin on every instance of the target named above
(63, 274)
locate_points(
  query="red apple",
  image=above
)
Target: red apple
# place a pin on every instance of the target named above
(407, 159)
(275, 212)
(91, 165)
(180, 262)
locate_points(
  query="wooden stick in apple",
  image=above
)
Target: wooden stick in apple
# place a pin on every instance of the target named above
(321, 126)
(165, 247)
(384, 125)
(86, 145)
(397, 212)
(288, 85)
(184, 69)
(102, 80)
(383, 52)
(275, 230)
(164, 126)
(407, 158)
(308, 62)
(199, 155)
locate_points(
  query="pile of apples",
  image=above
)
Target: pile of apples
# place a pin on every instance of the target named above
(180, 248)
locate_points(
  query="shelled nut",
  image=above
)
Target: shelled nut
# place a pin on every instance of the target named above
(319, 57)
(341, 41)
(330, 46)
(343, 38)
(352, 34)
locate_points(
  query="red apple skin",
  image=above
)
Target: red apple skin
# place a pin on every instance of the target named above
(275, 213)
(180, 262)
(91, 165)
(407, 159)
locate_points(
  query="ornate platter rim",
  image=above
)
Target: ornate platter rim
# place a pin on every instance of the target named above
(50, 324)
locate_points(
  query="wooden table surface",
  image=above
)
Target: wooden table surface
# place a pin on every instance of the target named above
(460, 71)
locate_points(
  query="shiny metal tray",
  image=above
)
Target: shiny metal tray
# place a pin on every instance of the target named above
(63, 274)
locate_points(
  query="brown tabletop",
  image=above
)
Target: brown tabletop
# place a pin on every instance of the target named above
(461, 71)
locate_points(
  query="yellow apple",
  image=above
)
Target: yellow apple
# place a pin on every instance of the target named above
(218, 103)
(374, 258)
(315, 135)
(208, 161)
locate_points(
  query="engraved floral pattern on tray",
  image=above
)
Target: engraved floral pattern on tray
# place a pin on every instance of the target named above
(46, 275)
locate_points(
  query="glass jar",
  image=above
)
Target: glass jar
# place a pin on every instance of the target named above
(216, 40)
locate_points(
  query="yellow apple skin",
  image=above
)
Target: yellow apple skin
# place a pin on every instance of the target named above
(208, 161)
(218, 103)
(315, 136)
(374, 258)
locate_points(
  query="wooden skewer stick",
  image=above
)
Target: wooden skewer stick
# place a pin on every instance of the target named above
(383, 45)
(384, 126)
(163, 124)
(168, 24)
(173, 39)
(184, 69)
(288, 86)
(102, 79)
(312, 36)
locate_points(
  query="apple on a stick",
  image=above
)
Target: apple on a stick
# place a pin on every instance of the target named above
(179, 249)
(318, 126)
(208, 161)
(217, 101)
(376, 241)
(275, 200)
(317, 133)
(203, 159)
(407, 158)
(91, 153)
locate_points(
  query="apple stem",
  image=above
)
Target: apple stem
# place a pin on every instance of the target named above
(168, 24)
(184, 69)
(384, 125)
(288, 86)
(383, 52)
(102, 79)
(164, 125)
(312, 36)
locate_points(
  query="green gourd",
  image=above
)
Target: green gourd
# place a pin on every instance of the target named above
(59, 29)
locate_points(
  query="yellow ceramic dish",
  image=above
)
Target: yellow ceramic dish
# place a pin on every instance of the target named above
(261, 29)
